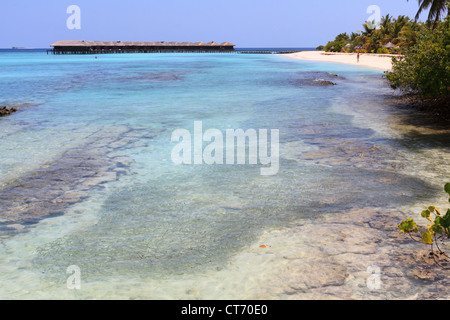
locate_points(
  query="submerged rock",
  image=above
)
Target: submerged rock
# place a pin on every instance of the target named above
(4, 111)
(355, 255)
(314, 82)
(317, 79)
(423, 274)
(320, 75)
(68, 179)
(7, 110)
(325, 82)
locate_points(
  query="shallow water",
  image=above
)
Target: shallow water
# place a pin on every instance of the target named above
(87, 179)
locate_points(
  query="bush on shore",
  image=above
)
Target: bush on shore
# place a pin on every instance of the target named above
(424, 70)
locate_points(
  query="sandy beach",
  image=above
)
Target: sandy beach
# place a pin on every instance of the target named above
(370, 60)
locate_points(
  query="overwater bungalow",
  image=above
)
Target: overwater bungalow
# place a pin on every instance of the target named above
(97, 47)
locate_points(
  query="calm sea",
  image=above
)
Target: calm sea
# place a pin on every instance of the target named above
(87, 179)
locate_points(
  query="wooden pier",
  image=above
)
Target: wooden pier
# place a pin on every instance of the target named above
(117, 47)
(100, 47)
(265, 51)
(176, 51)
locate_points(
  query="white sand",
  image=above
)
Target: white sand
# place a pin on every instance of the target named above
(370, 60)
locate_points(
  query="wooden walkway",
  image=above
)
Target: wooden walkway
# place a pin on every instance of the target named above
(177, 51)
(266, 51)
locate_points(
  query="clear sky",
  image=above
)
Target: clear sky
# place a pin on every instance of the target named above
(246, 23)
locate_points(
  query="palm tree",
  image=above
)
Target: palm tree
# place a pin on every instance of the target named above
(399, 23)
(437, 9)
(367, 30)
(386, 23)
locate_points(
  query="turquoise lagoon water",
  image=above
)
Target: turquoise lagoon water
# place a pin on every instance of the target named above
(87, 177)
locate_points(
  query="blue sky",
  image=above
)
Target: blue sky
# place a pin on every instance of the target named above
(246, 23)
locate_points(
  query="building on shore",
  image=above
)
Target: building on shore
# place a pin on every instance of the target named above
(98, 47)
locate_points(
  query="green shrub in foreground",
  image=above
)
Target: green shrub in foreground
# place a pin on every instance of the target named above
(437, 231)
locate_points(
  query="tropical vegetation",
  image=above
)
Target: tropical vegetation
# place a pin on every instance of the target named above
(421, 70)
(391, 35)
(438, 8)
(424, 70)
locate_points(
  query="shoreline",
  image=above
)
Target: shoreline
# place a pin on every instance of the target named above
(370, 60)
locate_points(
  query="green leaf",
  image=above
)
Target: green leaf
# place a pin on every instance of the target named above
(437, 226)
(445, 220)
(426, 214)
(431, 208)
(427, 238)
(447, 188)
(408, 226)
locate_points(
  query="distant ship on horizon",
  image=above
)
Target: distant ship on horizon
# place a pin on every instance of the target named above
(21, 48)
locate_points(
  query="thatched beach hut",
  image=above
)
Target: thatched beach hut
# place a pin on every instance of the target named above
(347, 46)
(389, 45)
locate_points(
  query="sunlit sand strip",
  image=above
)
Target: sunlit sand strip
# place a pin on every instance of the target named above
(370, 60)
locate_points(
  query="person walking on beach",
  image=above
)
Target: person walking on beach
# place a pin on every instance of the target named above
(357, 57)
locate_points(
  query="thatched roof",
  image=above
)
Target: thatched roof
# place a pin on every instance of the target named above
(82, 43)
(389, 45)
(69, 43)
